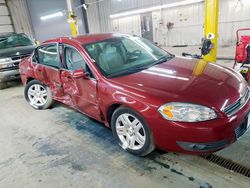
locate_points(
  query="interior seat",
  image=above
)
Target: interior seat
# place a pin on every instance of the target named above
(123, 52)
(74, 60)
(95, 51)
(110, 59)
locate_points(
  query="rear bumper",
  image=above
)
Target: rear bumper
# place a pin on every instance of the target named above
(9, 75)
(198, 138)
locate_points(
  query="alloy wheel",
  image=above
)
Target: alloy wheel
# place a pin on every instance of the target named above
(37, 95)
(130, 132)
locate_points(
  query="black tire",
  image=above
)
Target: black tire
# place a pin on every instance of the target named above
(49, 98)
(3, 85)
(148, 146)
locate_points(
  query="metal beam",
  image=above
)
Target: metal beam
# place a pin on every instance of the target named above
(85, 19)
(211, 27)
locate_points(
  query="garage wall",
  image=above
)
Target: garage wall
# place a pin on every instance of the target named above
(187, 25)
(20, 16)
(53, 27)
(5, 19)
(188, 20)
(233, 16)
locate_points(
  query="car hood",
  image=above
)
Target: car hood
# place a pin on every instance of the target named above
(17, 51)
(188, 80)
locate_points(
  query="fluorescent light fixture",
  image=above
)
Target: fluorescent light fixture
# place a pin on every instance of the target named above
(49, 16)
(139, 11)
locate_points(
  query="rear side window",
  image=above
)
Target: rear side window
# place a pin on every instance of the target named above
(73, 59)
(48, 55)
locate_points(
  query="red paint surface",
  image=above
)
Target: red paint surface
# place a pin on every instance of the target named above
(172, 81)
(241, 45)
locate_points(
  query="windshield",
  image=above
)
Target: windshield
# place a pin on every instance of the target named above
(125, 55)
(15, 40)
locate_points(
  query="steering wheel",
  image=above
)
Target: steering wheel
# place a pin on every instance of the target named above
(132, 56)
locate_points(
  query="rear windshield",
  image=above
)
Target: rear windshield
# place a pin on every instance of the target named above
(15, 40)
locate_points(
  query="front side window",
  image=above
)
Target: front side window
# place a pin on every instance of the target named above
(15, 40)
(48, 55)
(73, 59)
(123, 55)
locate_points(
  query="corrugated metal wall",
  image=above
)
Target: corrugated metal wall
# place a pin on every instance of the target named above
(93, 18)
(5, 20)
(188, 20)
(20, 16)
(187, 28)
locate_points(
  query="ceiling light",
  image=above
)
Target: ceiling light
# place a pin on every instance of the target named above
(139, 11)
(49, 16)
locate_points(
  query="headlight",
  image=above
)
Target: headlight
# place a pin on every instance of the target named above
(186, 112)
(5, 63)
(5, 60)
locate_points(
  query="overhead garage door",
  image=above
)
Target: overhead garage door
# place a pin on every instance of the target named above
(5, 20)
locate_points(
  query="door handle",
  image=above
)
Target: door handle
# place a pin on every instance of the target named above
(39, 70)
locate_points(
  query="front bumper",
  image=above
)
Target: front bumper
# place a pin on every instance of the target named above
(9, 75)
(201, 137)
(202, 147)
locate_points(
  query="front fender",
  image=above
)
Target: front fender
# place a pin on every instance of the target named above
(135, 104)
(118, 99)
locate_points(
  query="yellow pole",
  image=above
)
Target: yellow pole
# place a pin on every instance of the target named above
(72, 18)
(211, 27)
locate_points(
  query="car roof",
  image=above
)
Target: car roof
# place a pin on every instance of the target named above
(89, 38)
(8, 34)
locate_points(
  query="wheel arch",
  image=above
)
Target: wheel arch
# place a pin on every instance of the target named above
(138, 107)
(110, 110)
(29, 79)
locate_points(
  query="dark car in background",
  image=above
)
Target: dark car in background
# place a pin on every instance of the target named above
(13, 48)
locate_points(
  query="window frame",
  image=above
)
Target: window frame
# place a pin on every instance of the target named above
(35, 55)
(65, 45)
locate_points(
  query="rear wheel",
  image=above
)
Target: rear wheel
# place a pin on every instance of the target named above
(38, 95)
(3, 85)
(132, 132)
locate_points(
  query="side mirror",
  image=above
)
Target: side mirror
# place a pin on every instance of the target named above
(80, 73)
(207, 46)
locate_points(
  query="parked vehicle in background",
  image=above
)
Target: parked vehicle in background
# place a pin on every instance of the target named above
(149, 98)
(13, 47)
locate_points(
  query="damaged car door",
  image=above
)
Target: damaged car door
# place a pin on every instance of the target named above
(47, 67)
(79, 82)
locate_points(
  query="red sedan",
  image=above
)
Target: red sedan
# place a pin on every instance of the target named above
(149, 97)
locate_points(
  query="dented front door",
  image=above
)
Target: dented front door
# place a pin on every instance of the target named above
(82, 90)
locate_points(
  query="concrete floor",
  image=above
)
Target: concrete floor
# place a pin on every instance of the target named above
(63, 148)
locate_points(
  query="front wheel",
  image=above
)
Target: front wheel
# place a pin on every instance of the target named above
(132, 132)
(38, 95)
